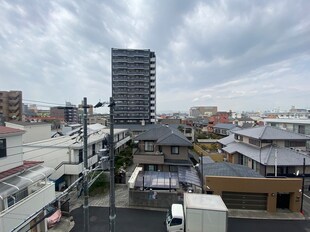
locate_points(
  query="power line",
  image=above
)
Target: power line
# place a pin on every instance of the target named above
(50, 103)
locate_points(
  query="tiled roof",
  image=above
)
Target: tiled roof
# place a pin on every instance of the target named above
(266, 155)
(227, 140)
(228, 126)
(165, 135)
(8, 130)
(271, 133)
(13, 171)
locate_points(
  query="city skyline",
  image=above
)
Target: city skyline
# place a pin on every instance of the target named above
(243, 56)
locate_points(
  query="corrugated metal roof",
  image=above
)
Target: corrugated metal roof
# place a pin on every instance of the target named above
(271, 133)
(228, 169)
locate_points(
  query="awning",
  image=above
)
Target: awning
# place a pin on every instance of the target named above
(189, 175)
(16, 183)
(157, 180)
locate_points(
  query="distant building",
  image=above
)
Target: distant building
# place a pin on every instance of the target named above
(11, 105)
(69, 113)
(134, 85)
(201, 111)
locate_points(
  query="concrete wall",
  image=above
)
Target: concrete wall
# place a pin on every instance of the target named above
(154, 199)
(14, 154)
(259, 185)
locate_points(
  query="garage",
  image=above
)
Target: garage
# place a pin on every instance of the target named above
(240, 200)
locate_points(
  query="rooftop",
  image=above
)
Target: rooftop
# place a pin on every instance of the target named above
(13, 171)
(271, 133)
(9, 131)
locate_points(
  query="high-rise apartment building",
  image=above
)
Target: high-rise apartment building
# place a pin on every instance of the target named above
(134, 85)
(69, 113)
(11, 105)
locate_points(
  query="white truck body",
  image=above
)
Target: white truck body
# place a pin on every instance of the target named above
(201, 213)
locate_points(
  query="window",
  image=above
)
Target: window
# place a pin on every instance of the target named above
(2, 148)
(148, 146)
(255, 142)
(295, 143)
(94, 149)
(80, 155)
(176, 221)
(150, 167)
(174, 150)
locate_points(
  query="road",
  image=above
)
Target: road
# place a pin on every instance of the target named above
(138, 220)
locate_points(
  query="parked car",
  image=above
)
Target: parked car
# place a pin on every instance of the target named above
(53, 215)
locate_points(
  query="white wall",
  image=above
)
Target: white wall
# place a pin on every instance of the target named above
(35, 132)
(14, 153)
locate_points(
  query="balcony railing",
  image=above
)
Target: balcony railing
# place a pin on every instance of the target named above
(148, 157)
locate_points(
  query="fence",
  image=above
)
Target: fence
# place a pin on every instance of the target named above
(154, 198)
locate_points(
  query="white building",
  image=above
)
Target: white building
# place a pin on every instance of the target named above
(65, 153)
(24, 188)
(34, 131)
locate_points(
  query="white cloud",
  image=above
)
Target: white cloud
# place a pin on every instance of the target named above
(235, 54)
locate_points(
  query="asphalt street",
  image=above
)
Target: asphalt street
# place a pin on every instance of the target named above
(138, 220)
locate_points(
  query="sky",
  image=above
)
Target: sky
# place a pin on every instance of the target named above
(235, 54)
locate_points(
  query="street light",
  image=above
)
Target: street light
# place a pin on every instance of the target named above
(112, 214)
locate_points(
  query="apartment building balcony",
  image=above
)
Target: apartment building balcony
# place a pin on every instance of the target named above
(152, 71)
(140, 157)
(152, 102)
(31, 205)
(72, 168)
(152, 90)
(152, 84)
(152, 95)
(152, 78)
(153, 59)
(152, 65)
(14, 94)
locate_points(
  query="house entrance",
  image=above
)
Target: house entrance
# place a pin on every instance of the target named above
(283, 201)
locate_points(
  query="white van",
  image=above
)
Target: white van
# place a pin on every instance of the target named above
(175, 218)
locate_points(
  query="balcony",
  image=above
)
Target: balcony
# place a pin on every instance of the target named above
(153, 78)
(27, 207)
(153, 59)
(148, 158)
(152, 72)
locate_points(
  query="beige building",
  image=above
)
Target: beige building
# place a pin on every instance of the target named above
(11, 105)
(271, 194)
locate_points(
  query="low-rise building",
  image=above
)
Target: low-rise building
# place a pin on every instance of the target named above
(34, 131)
(65, 153)
(24, 186)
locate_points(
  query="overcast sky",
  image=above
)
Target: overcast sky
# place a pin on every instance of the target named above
(238, 55)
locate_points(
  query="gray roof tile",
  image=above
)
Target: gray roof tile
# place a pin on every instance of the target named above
(271, 133)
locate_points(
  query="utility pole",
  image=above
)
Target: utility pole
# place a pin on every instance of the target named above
(112, 178)
(303, 184)
(112, 214)
(85, 172)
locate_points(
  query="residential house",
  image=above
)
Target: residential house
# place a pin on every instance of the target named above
(266, 149)
(219, 117)
(24, 186)
(223, 129)
(162, 149)
(66, 154)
